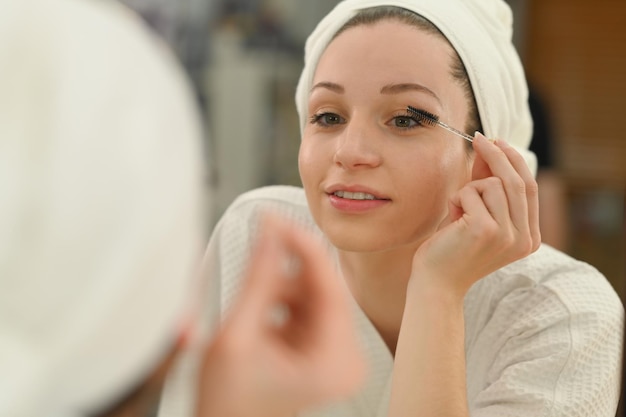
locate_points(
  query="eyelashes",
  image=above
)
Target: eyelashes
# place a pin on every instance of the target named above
(326, 119)
(405, 120)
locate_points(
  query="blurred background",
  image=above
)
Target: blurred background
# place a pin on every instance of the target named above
(244, 58)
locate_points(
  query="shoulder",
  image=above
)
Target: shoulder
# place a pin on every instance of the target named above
(546, 290)
(237, 227)
(547, 293)
(576, 284)
(287, 201)
(549, 325)
(272, 195)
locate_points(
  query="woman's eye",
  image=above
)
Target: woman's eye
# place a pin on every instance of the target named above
(405, 122)
(327, 119)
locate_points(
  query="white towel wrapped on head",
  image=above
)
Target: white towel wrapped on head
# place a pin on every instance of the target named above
(100, 181)
(481, 33)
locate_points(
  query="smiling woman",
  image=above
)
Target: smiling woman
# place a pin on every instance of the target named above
(373, 145)
(460, 309)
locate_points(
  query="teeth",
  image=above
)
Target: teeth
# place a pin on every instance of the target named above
(354, 196)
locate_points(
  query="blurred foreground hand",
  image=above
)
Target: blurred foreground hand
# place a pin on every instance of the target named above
(289, 341)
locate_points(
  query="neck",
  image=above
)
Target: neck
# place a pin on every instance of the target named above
(378, 283)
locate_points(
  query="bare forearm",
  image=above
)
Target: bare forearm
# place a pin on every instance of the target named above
(429, 368)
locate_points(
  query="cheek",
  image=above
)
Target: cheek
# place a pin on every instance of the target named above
(305, 161)
(313, 162)
(430, 168)
(433, 178)
(456, 165)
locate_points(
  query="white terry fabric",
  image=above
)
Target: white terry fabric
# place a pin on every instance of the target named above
(481, 32)
(100, 213)
(543, 335)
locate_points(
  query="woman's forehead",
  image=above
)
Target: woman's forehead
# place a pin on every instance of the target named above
(385, 52)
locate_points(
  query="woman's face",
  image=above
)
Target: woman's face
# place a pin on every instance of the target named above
(374, 178)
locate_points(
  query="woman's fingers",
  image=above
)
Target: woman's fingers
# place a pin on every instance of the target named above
(295, 307)
(506, 164)
(263, 284)
(493, 200)
(513, 183)
(531, 190)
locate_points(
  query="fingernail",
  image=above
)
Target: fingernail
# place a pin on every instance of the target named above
(279, 315)
(478, 134)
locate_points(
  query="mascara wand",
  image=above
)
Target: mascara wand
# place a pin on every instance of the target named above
(430, 119)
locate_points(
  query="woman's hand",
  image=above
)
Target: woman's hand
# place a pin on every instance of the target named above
(493, 221)
(289, 341)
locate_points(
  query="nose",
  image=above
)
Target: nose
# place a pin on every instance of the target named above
(357, 147)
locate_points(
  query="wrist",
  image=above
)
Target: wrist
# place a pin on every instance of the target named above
(433, 289)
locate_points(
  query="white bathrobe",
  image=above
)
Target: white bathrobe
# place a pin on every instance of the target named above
(543, 335)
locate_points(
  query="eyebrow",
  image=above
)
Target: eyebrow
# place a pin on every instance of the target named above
(329, 86)
(404, 87)
(387, 89)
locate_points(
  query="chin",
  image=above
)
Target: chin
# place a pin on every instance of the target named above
(368, 236)
(352, 238)
(352, 245)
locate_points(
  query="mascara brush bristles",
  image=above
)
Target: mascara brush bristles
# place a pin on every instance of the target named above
(430, 119)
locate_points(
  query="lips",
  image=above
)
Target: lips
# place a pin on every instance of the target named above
(355, 200)
(355, 193)
(355, 196)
